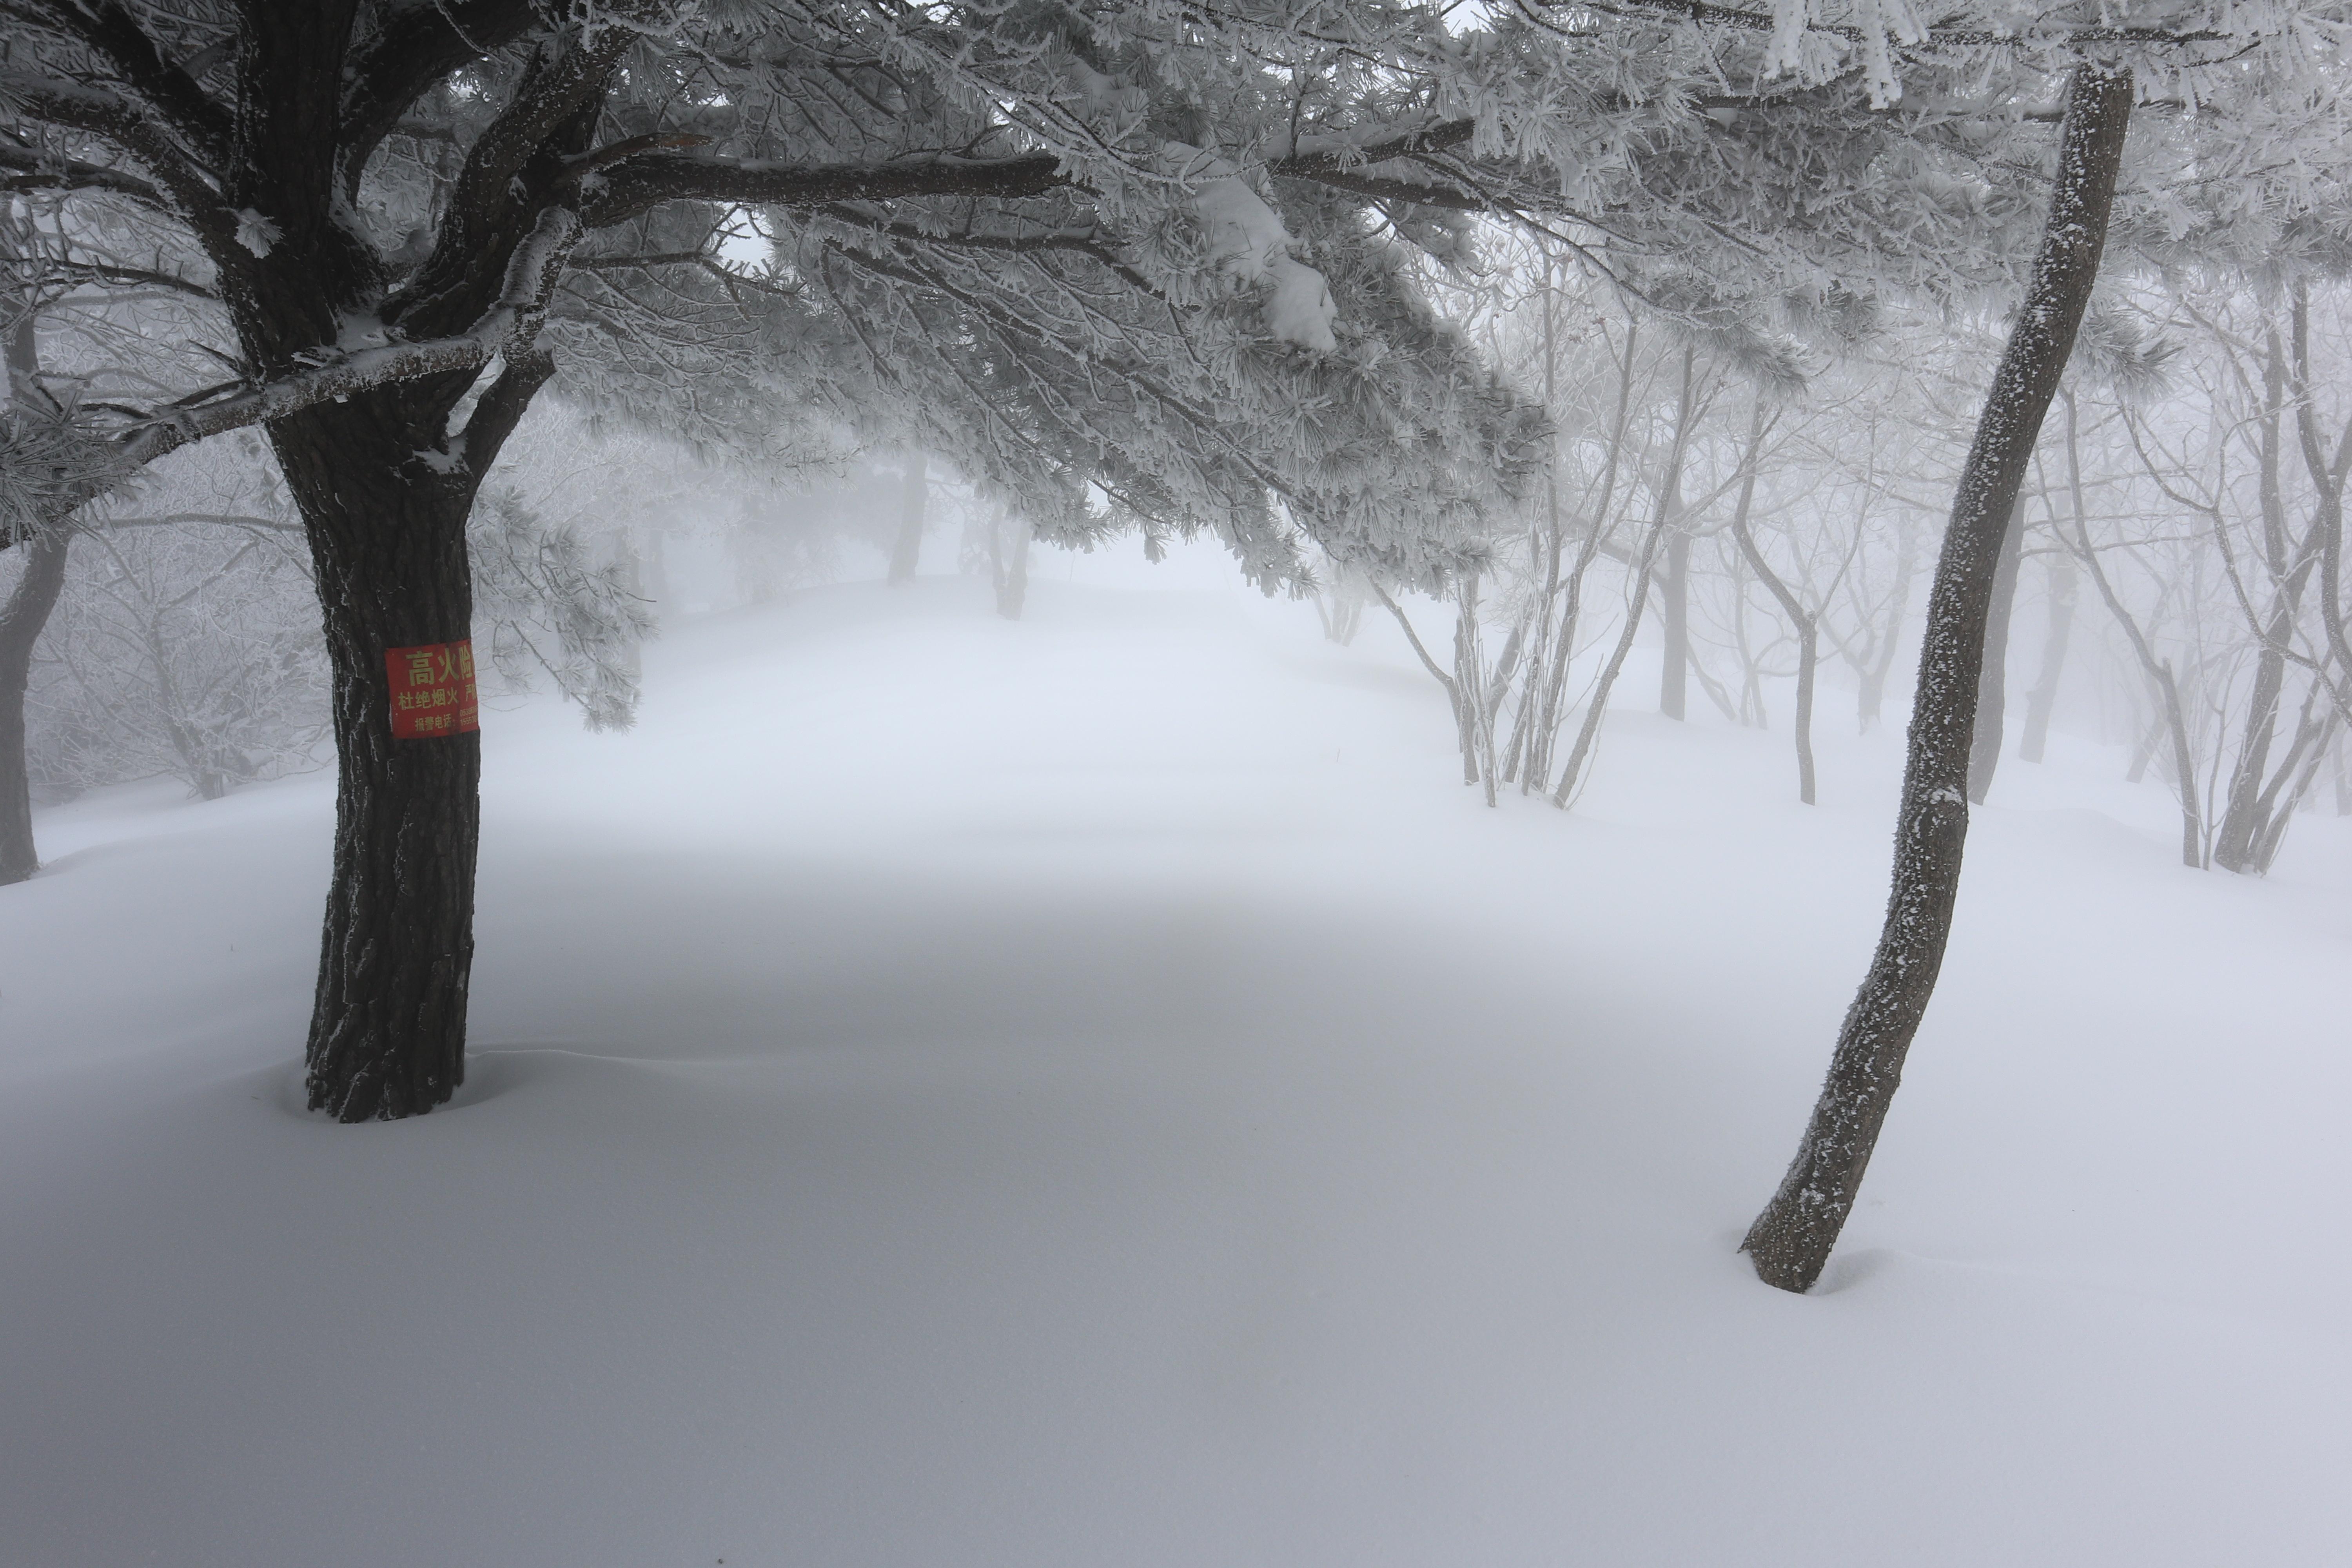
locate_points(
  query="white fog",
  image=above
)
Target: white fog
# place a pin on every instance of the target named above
(1101, 785)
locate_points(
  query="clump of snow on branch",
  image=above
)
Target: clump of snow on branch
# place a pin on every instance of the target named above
(1246, 239)
(1813, 54)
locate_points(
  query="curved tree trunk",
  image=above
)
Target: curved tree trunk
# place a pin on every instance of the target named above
(1791, 1241)
(21, 620)
(388, 544)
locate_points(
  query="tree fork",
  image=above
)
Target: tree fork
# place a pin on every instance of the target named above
(1791, 1241)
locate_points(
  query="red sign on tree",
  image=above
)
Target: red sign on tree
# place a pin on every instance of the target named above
(433, 690)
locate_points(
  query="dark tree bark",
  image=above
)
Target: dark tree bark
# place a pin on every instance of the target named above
(359, 359)
(906, 549)
(1791, 1241)
(1992, 681)
(21, 620)
(388, 545)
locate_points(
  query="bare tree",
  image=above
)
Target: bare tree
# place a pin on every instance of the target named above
(1791, 1241)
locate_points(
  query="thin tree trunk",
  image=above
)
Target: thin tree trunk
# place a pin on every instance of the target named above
(1674, 669)
(2150, 736)
(1791, 1241)
(2044, 698)
(1547, 728)
(1453, 687)
(1476, 713)
(2170, 716)
(1549, 546)
(2279, 801)
(914, 498)
(1870, 690)
(1809, 664)
(1598, 708)
(1806, 623)
(2235, 836)
(2328, 477)
(2242, 814)
(1673, 585)
(1012, 574)
(21, 620)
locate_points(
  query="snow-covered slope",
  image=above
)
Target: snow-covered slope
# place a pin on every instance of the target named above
(1093, 1092)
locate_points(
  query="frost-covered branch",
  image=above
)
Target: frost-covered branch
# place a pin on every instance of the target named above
(79, 463)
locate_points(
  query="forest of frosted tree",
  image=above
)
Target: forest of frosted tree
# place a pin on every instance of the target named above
(1952, 405)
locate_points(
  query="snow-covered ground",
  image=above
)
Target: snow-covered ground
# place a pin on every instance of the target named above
(1095, 1092)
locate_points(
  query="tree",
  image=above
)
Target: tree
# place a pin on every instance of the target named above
(26, 610)
(1126, 264)
(1792, 1239)
(389, 199)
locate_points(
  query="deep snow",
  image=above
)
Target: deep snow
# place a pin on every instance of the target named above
(1094, 1092)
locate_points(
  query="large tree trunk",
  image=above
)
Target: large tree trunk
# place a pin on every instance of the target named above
(1992, 681)
(1791, 1241)
(388, 543)
(21, 620)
